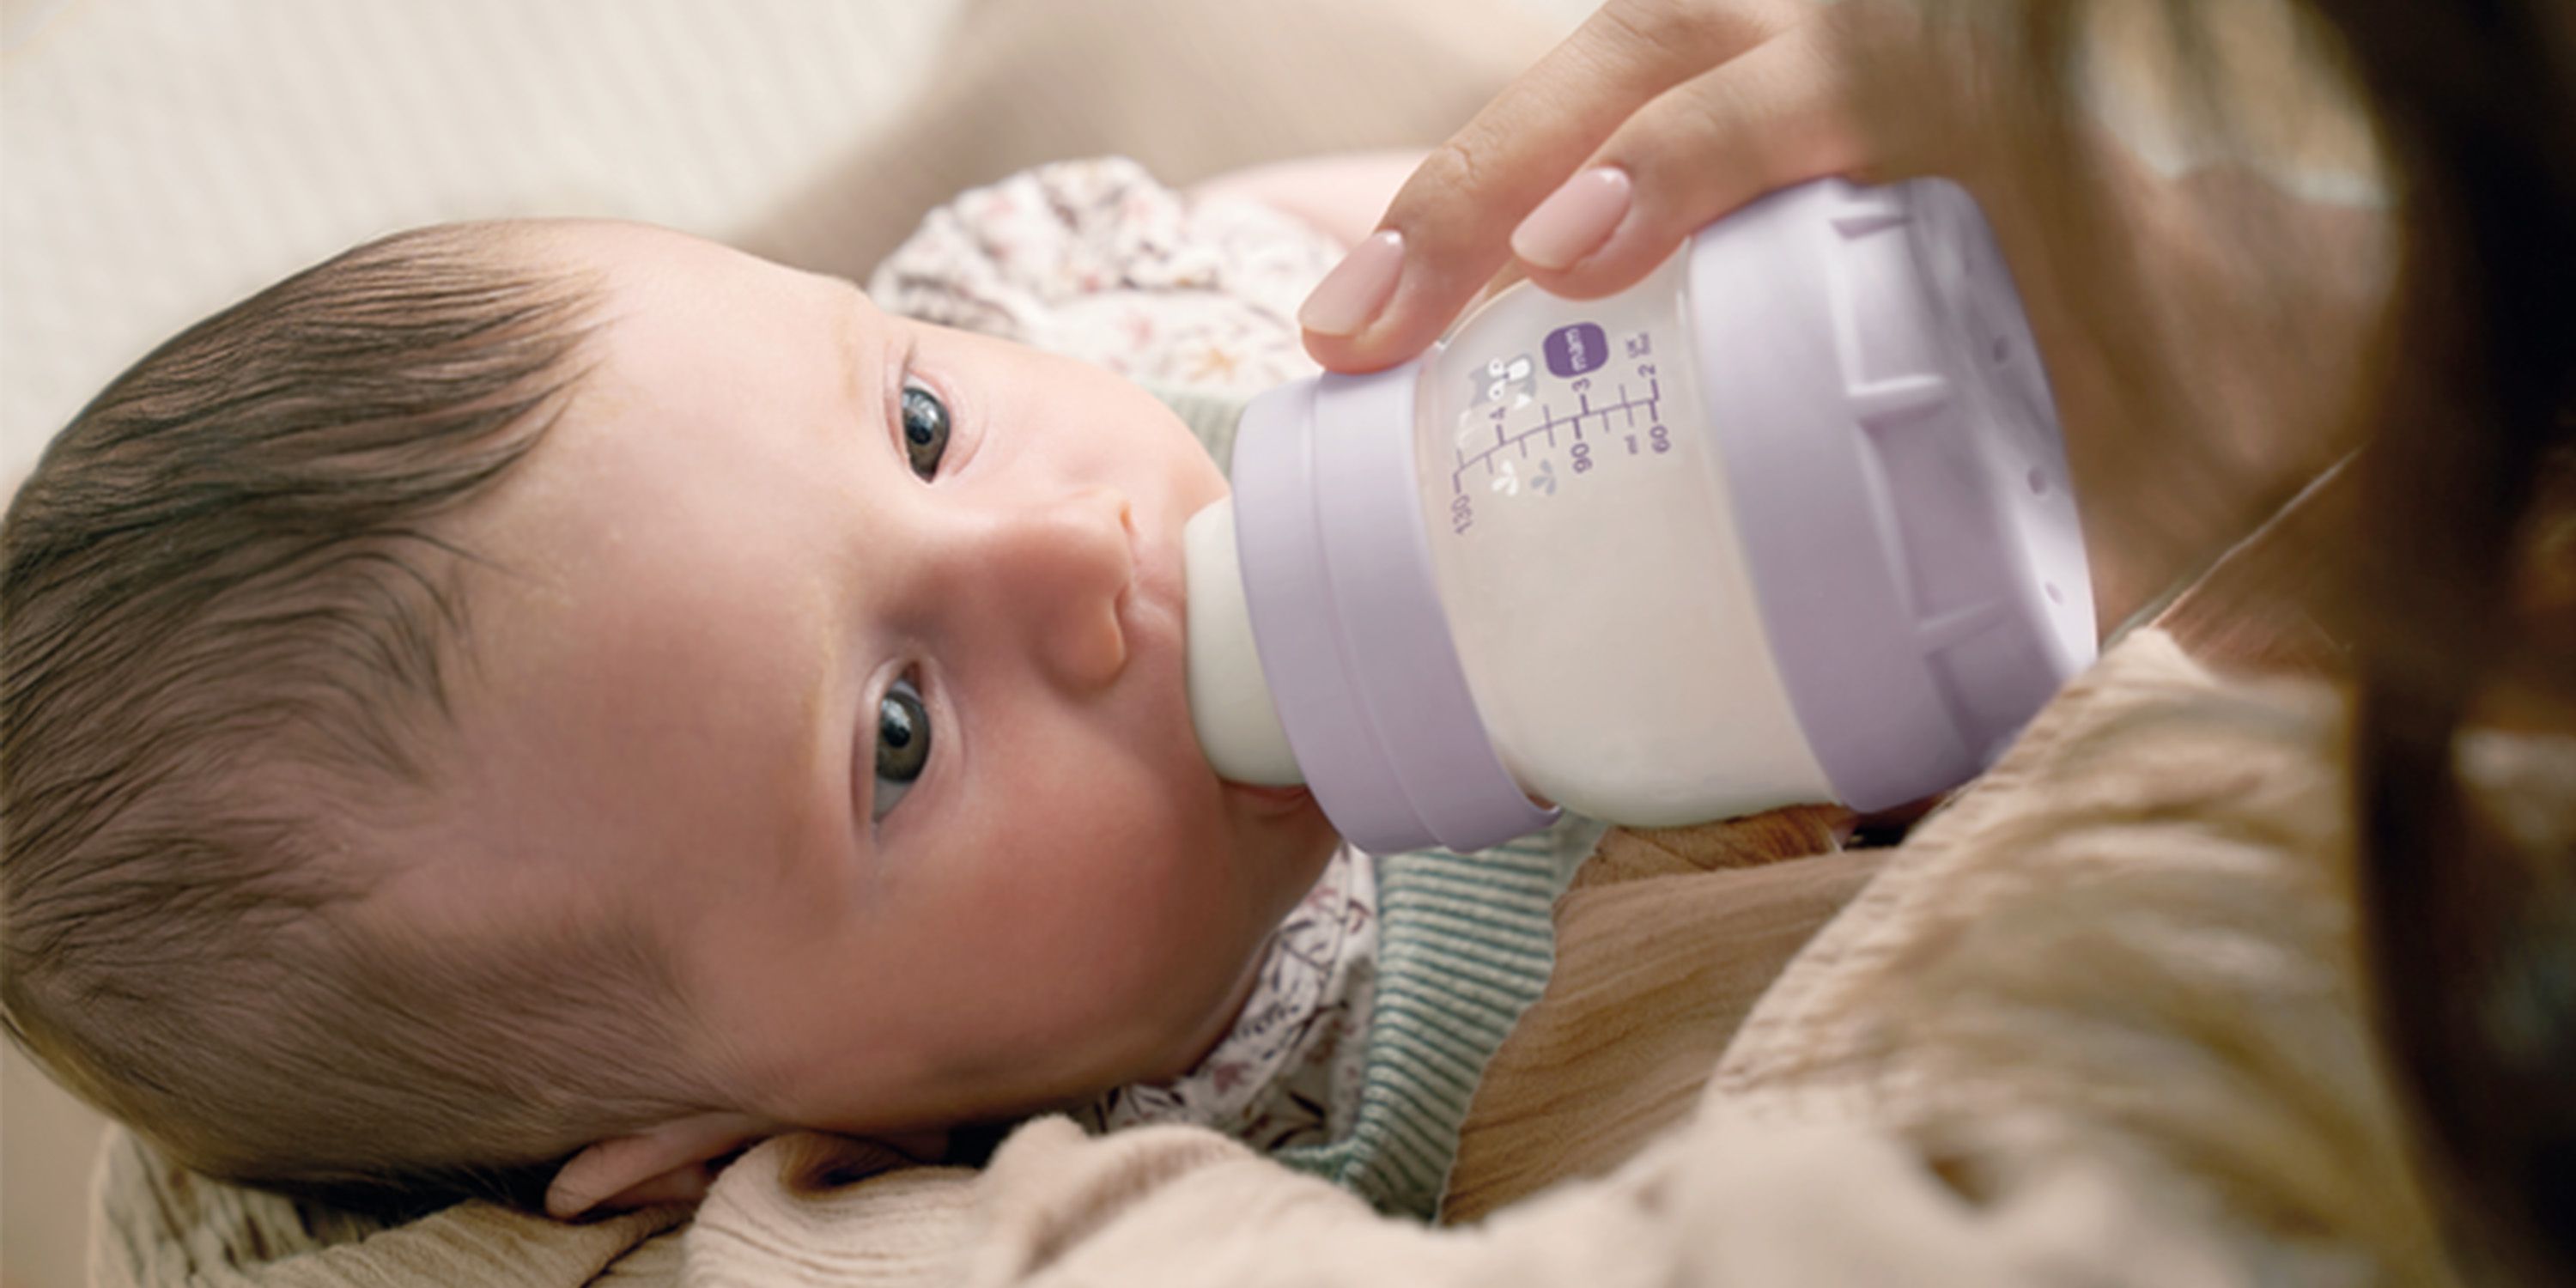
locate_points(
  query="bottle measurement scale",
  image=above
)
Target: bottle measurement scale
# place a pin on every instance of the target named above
(1579, 470)
(1633, 420)
(1543, 407)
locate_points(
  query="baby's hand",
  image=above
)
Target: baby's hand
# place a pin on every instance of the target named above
(1665, 113)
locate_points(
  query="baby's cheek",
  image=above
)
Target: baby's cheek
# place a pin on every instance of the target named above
(1186, 906)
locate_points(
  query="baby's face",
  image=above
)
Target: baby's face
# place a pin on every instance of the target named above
(845, 653)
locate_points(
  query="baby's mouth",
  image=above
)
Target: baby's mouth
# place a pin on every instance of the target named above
(1271, 802)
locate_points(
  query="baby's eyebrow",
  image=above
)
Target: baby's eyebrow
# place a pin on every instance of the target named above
(855, 367)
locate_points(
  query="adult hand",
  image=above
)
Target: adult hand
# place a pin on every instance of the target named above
(1654, 118)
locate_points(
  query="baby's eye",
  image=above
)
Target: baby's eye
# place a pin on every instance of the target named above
(903, 744)
(925, 429)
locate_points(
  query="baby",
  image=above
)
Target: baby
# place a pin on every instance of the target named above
(540, 706)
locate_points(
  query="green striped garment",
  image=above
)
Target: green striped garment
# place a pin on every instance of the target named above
(1465, 943)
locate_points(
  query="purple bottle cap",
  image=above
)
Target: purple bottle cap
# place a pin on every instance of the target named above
(1898, 477)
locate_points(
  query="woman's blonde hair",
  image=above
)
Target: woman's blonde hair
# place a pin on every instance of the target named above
(2434, 576)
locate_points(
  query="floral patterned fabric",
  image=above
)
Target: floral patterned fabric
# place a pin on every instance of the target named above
(1289, 1071)
(1097, 260)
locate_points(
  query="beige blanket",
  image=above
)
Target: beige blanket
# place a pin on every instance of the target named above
(2094, 1021)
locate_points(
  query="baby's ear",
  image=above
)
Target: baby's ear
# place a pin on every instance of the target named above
(669, 1163)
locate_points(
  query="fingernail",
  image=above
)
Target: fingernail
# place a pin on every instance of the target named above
(1575, 219)
(1357, 287)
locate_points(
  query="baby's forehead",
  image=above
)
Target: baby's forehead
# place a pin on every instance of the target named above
(624, 250)
(711, 384)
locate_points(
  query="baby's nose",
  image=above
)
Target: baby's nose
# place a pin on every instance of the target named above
(1064, 568)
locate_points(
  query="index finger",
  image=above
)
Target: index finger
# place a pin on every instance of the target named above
(1452, 221)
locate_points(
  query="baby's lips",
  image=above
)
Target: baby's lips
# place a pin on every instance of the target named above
(1272, 800)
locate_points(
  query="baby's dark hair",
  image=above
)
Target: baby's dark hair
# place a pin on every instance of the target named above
(228, 626)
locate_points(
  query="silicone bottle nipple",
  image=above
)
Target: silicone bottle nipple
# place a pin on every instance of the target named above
(1230, 702)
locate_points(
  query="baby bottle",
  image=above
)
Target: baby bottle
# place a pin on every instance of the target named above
(1787, 521)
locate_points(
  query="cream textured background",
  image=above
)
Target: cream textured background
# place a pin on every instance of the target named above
(159, 158)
